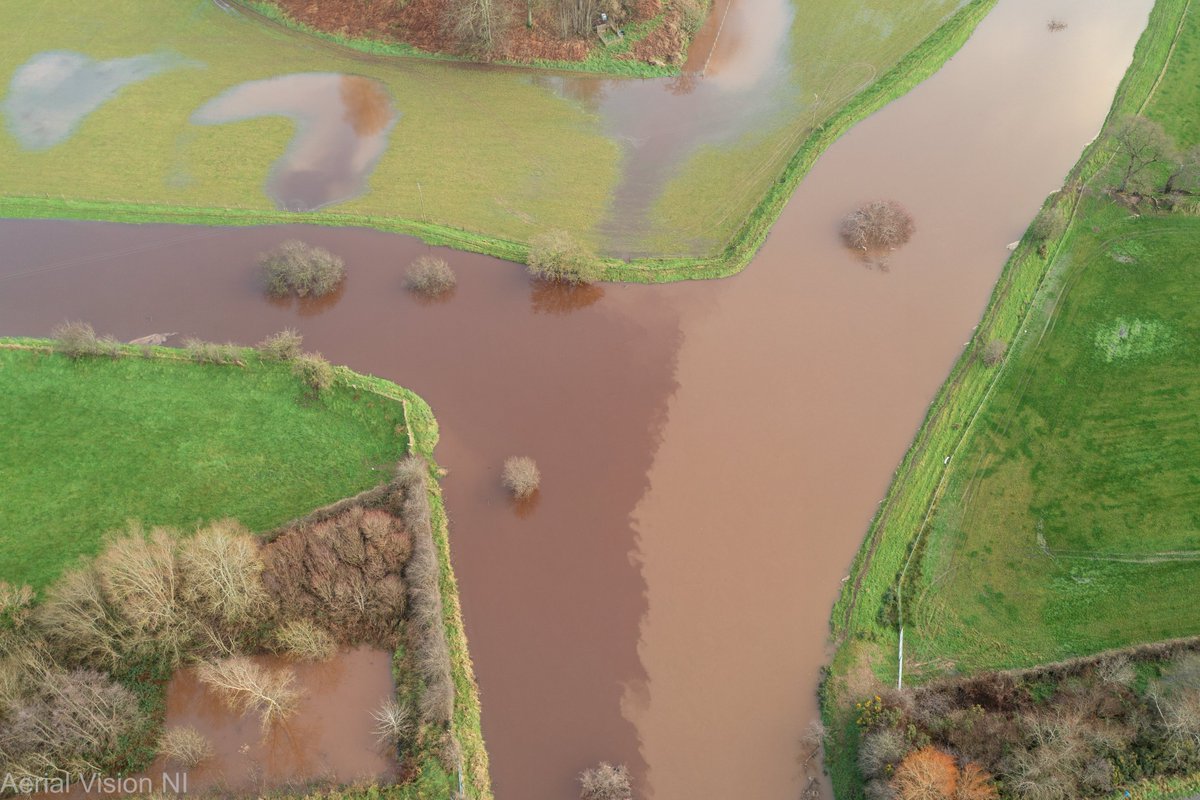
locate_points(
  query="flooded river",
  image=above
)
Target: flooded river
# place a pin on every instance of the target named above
(711, 452)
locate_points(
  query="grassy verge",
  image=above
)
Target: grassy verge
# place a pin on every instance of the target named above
(152, 436)
(1020, 312)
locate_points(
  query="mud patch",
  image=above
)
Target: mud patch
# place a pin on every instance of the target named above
(342, 125)
(51, 93)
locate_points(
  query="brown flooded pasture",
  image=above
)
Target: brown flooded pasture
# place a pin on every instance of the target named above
(711, 453)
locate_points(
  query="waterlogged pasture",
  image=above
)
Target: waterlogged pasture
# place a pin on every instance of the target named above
(1070, 523)
(490, 151)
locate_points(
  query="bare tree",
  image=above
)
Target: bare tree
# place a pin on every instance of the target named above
(246, 687)
(605, 782)
(878, 225)
(185, 746)
(1141, 143)
(476, 24)
(521, 476)
(1185, 173)
(576, 17)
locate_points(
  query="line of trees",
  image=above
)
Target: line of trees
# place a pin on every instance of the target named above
(1151, 162)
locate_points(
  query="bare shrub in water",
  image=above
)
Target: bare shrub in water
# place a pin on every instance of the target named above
(78, 339)
(557, 256)
(878, 225)
(605, 782)
(394, 724)
(248, 687)
(283, 346)
(521, 476)
(302, 640)
(185, 746)
(430, 276)
(314, 372)
(303, 270)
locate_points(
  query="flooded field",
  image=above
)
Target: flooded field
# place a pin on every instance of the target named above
(329, 740)
(711, 453)
(342, 124)
(50, 94)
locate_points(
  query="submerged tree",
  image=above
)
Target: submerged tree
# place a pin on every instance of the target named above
(878, 225)
(605, 782)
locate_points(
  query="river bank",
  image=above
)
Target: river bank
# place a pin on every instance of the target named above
(1019, 314)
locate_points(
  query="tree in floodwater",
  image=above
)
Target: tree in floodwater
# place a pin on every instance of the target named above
(605, 782)
(878, 225)
(1141, 143)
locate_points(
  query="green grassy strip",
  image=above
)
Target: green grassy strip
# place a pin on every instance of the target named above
(1026, 284)
(600, 60)
(919, 64)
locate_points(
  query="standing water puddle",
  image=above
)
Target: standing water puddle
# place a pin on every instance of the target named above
(342, 126)
(330, 739)
(51, 93)
(711, 453)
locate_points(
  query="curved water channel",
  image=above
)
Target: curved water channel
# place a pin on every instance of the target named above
(711, 452)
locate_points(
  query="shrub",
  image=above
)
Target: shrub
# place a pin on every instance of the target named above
(314, 372)
(557, 256)
(394, 724)
(282, 346)
(78, 339)
(926, 774)
(220, 576)
(203, 352)
(880, 751)
(993, 352)
(246, 687)
(521, 476)
(302, 640)
(60, 720)
(430, 276)
(344, 571)
(605, 782)
(296, 268)
(878, 225)
(185, 746)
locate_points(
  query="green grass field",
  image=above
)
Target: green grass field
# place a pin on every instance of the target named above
(480, 159)
(90, 444)
(1069, 524)
(1065, 522)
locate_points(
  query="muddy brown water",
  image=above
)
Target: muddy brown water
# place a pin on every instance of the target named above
(330, 738)
(711, 452)
(342, 125)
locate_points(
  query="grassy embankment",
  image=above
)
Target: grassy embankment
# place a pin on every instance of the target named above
(480, 160)
(600, 60)
(1077, 438)
(151, 436)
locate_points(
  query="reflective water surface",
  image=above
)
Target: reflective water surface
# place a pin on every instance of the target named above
(711, 452)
